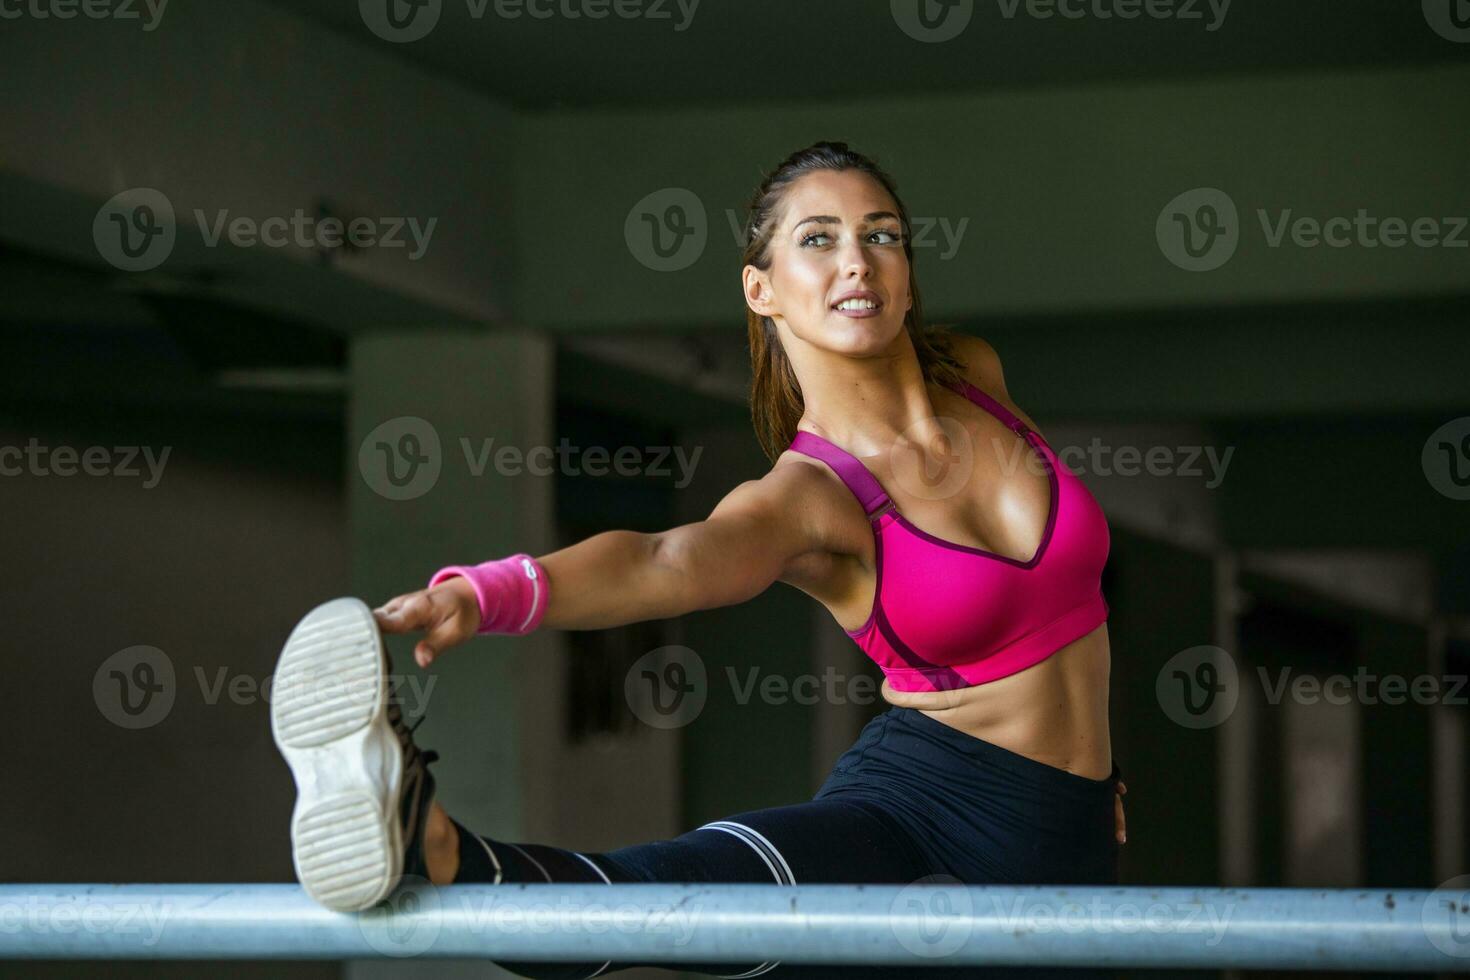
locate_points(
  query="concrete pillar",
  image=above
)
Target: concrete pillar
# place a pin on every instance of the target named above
(429, 404)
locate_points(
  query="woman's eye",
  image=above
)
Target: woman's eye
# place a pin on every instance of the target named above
(880, 236)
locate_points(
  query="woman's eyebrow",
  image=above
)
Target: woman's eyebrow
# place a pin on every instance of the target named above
(828, 219)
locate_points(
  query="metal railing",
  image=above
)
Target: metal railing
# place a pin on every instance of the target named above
(918, 924)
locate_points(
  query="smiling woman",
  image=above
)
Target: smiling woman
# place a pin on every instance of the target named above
(973, 586)
(776, 397)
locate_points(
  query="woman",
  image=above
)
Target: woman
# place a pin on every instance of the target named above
(972, 581)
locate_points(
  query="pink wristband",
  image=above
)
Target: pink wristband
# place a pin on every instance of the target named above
(513, 592)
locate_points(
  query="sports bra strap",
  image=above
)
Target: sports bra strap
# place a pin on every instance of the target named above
(848, 468)
(990, 404)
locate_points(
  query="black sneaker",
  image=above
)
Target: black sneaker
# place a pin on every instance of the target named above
(363, 786)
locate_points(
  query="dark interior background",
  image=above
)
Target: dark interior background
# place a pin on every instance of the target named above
(1041, 153)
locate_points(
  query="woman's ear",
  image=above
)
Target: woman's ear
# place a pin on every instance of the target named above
(758, 291)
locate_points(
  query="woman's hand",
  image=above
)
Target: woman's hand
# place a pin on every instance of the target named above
(1122, 831)
(449, 613)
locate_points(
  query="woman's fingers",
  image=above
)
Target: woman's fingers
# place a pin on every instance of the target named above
(412, 611)
(439, 617)
(1122, 825)
(446, 633)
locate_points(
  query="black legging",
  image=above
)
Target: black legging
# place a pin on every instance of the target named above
(820, 842)
(912, 800)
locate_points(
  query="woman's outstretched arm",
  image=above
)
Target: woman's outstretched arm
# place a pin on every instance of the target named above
(733, 555)
(620, 577)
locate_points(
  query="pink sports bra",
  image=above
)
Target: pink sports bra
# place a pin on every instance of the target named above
(946, 615)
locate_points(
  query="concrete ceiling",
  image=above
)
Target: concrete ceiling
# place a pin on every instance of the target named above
(779, 50)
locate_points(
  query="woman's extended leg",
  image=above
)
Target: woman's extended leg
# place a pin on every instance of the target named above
(818, 842)
(365, 819)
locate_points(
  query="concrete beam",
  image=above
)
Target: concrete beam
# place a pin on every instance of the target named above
(1059, 195)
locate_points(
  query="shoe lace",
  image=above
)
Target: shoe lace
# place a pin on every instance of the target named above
(414, 758)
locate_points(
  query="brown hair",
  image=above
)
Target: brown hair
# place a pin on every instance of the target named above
(776, 401)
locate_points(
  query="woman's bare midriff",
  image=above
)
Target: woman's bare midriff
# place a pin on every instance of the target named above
(1054, 712)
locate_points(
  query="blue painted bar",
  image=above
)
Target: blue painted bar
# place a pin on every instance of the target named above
(920, 924)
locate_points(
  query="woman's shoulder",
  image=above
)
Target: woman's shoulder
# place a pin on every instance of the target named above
(834, 517)
(982, 369)
(981, 363)
(833, 510)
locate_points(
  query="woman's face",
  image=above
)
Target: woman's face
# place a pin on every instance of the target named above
(838, 235)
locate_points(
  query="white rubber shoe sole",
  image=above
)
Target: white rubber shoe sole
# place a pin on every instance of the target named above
(329, 706)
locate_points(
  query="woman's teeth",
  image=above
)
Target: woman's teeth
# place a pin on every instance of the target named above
(857, 304)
